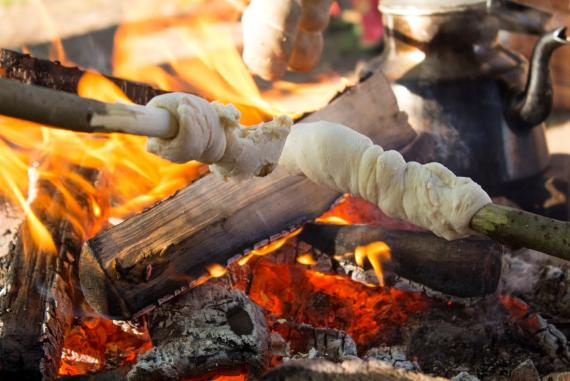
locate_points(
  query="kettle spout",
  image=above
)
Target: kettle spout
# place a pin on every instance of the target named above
(533, 106)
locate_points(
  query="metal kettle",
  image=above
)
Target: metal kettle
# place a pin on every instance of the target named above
(478, 108)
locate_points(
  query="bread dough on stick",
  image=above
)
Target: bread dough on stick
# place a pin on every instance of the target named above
(330, 154)
(211, 133)
(429, 195)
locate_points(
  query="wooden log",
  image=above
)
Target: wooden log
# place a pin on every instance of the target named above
(53, 75)
(213, 328)
(349, 370)
(150, 257)
(36, 307)
(462, 268)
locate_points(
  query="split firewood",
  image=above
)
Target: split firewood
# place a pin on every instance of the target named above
(462, 268)
(214, 328)
(36, 305)
(349, 370)
(53, 75)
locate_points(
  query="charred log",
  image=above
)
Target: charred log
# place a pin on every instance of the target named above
(53, 75)
(150, 256)
(304, 340)
(212, 328)
(350, 370)
(462, 268)
(36, 305)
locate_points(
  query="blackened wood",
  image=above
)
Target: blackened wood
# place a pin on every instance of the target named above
(53, 75)
(462, 268)
(213, 328)
(36, 307)
(323, 343)
(155, 254)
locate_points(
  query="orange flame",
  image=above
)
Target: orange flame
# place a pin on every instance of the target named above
(375, 252)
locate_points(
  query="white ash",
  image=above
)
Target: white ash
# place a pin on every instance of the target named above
(536, 332)
(308, 342)
(464, 376)
(395, 356)
(541, 281)
(525, 371)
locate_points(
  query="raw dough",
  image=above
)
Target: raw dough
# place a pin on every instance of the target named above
(429, 195)
(330, 154)
(211, 133)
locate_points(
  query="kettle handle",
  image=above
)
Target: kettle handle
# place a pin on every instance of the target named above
(517, 17)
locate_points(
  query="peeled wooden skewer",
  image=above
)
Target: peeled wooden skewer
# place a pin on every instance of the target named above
(71, 112)
(61, 110)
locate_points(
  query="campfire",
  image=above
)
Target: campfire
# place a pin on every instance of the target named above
(116, 264)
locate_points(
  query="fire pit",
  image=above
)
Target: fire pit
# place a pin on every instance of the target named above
(117, 265)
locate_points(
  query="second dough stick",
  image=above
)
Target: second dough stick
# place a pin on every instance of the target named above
(429, 195)
(330, 154)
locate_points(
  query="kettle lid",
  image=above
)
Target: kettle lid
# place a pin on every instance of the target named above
(429, 7)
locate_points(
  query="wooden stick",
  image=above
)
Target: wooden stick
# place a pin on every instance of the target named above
(514, 227)
(463, 268)
(71, 112)
(53, 75)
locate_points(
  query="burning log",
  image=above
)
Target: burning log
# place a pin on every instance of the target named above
(211, 329)
(36, 305)
(155, 255)
(462, 268)
(53, 75)
(349, 370)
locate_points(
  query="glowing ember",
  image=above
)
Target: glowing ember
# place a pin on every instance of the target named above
(94, 344)
(372, 316)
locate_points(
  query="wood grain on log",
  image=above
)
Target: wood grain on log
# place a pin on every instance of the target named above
(53, 75)
(213, 328)
(462, 268)
(349, 370)
(212, 220)
(36, 305)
